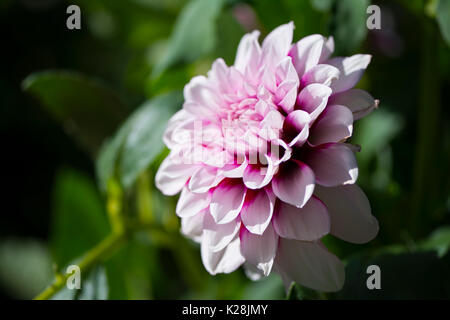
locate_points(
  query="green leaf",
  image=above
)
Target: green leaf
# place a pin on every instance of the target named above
(229, 33)
(86, 109)
(298, 292)
(25, 267)
(375, 132)
(306, 18)
(144, 142)
(131, 269)
(138, 141)
(95, 287)
(267, 288)
(443, 19)
(292, 293)
(79, 220)
(194, 34)
(322, 5)
(272, 13)
(439, 241)
(349, 25)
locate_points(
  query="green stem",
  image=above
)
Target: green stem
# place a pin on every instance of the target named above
(144, 199)
(427, 128)
(96, 255)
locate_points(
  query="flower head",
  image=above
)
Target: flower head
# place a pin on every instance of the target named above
(258, 152)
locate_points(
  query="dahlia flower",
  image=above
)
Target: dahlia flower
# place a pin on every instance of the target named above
(258, 153)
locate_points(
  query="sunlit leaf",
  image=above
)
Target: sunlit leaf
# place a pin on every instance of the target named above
(443, 19)
(194, 33)
(138, 141)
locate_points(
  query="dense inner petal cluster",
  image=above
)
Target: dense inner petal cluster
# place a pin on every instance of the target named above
(259, 154)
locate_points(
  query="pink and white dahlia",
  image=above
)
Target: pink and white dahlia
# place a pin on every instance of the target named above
(258, 152)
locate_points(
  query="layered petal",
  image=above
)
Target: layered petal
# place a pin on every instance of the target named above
(335, 124)
(203, 179)
(259, 250)
(321, 73)
(350, 213)
(192, 226)
(224, 261)
(351, 70)
(171, 176)
(296, 128)
(360, 102)
(327, 50)
(309, 223)
(200, 91)
(257, 211)
(257, 176)
(309, 264)
(248, 54)
(190, 203)
(307, 52)
(218, 236)
(287, 81)
(294, 183)
(333, 164)
(313, 99)
(278, 42)
(227, 201)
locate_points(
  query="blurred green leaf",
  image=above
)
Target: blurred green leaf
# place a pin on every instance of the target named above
(322, 5)
(292, 293)
(306, 18)
(194, 33)
(375, 132)
(173, 79)
(138, 141)
(349, 25)
(25, 267)
(87, 109)
(144, 142)
(271, 14)
(229, 34)
(95, 287)
(79, 220)
(130, 271)
(439, 241)
(298, 292)
(267, 288)
(443, 19)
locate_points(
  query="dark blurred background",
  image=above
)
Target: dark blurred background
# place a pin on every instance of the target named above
(51, 184)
